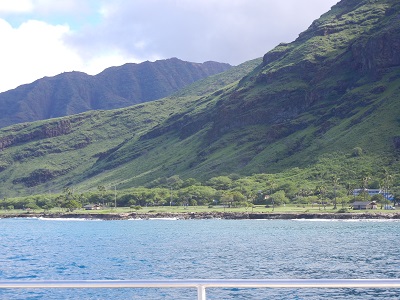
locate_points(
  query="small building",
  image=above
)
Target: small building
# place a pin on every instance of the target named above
(372, 192)
(92, 207)
(359, 205)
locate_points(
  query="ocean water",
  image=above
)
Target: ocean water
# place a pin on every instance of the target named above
(38, 249)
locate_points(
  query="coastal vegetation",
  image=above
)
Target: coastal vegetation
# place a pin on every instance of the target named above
(261, 192)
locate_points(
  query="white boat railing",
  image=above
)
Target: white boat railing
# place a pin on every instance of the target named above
(202, 284)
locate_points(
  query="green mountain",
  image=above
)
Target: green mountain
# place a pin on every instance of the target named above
(116, 87)
(326, 104)
(51, 154)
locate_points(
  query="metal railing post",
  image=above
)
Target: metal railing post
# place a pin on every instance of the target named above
(201, 292)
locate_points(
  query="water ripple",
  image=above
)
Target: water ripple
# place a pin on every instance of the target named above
(160, 249)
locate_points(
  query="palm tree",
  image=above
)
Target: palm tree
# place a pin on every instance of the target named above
(335, 184)
(386, 184)
(365, 186)
(350, 191)
(102, 190)
(320, 190)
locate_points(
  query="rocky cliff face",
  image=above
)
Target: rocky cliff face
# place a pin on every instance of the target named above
(356, 42)
(48, 130)
(116, 87)
(378, 52)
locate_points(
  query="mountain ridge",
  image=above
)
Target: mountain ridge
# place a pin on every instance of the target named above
(75, 92)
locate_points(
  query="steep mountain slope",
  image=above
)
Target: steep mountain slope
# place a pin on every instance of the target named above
(333, 89)
(116, 87)
(51, 154)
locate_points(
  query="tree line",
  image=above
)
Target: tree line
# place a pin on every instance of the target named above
(231, 191)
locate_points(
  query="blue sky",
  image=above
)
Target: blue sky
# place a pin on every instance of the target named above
(47, 37)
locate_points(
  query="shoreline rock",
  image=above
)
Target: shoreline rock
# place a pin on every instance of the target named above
(209, 215)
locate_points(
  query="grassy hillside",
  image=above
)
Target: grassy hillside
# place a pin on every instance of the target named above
(332, 90)
(53, 154)
(322, 106)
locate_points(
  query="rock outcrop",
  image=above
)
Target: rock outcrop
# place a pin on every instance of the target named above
(48, 130)
(213, 215)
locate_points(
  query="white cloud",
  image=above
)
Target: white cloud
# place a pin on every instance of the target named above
(121, 31)
(31, 51)
(16, 6)
(36, 49)
(224, 30)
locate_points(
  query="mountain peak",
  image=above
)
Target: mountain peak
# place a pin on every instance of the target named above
(116, 87)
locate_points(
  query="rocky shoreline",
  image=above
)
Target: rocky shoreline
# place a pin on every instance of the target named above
(209, 215)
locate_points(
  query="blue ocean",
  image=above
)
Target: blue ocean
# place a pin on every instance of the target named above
(40, 249)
